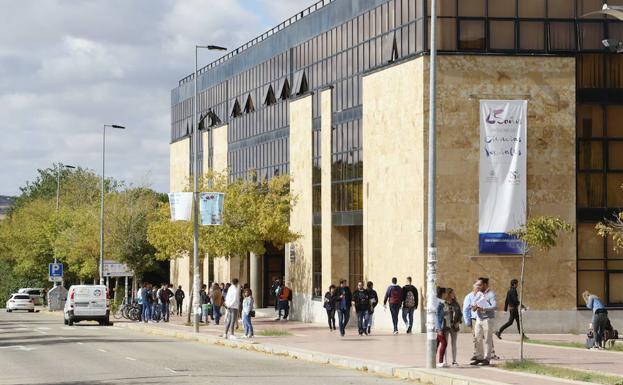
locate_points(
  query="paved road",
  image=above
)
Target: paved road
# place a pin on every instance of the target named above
(36, 348)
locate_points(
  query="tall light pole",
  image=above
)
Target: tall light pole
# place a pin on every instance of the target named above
(431, 274)
(196, 305)
(102, 199)
(59, 168)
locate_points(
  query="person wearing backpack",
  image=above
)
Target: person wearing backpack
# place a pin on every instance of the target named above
(409, 304)
(361, 300)
(374, 300)
(179, 299)
(284, 298)
(393, 295)
(216, 297)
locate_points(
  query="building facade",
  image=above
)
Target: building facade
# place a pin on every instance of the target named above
(337, 97)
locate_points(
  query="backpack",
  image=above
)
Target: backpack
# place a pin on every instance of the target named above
(395, 295)
(410, 299)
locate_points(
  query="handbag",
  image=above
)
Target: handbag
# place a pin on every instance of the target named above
(252, 313)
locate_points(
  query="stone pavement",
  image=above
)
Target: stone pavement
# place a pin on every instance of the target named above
(397, 355)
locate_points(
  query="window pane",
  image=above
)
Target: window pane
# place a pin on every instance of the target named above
(615, 156)
(590, 244)
(615, 121)
(532, 36)
(615, 281)
(615, 31)
(592, 281)
(562, 36)
(560, 9)
(590, 121)
(502, 8)
(472, 8)
(472, 34)
(590, 190)
(592, 35)
(586, 6)
(532, 8)
(615, 191)
(591, 155)
(502, 34)
(446, 34)
(613, 254)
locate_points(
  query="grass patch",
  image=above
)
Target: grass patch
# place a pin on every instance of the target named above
(271, 332)
(530, 366)
(577, 345)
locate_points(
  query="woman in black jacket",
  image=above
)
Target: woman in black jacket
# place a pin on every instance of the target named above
(330, 299)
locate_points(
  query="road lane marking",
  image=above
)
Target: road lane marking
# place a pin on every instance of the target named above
(40, 332)
(43, 328)
(130, 358)
(17, 347)
(102, 350)
(79, 343)
(171, 370)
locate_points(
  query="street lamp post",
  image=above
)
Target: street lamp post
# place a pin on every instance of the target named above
(195, 139)
(102, 199)
(431, 274)
(59, 168)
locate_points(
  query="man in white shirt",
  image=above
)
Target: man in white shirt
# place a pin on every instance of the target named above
(232, 303)
(485, 305)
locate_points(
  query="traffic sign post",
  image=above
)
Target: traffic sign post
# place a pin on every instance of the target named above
(55, 272)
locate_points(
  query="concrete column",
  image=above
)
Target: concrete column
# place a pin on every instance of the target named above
(254, 278)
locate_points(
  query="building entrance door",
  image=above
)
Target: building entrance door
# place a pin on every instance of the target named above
(274, 267)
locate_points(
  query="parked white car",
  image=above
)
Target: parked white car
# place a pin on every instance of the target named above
(35, 293)
(87, 303)
(20, 301)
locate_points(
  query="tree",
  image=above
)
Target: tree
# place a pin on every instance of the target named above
(540, 233)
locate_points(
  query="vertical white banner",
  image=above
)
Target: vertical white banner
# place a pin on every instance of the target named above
(211, 208)
(181, 205)
(503, 172)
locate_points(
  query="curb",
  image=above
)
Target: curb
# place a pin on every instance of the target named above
(426, 376)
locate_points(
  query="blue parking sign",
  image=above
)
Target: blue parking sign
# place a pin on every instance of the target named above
(56, 269)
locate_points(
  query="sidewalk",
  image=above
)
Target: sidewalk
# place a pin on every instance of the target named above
(401, 356)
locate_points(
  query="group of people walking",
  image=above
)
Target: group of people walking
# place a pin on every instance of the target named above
(155, 301)
(365, 299)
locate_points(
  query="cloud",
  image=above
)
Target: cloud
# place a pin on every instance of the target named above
(68, 67)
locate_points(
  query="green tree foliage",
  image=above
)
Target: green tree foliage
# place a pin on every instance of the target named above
(542, 232)
(612, 228)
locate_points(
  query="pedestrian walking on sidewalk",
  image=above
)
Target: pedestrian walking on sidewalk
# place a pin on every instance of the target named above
(374, 301)
(409, 304)
(454, 319)
(204, 301)
(343, 311)
(275, 289)
(469, 315)
(285, 296)
(600, 317)
(361, 300)
(393, 295)
(513, 307)
(247, 313)
(179, 299)
(139, 301)
(484, 304)
(232, 302)
(330, 304)
(216, 297)
(441, 325)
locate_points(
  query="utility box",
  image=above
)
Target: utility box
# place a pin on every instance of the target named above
(56, 298)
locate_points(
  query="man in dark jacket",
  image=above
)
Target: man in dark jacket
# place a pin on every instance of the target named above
(344, 302)
(275, 291)
(512, 306)
(204, 300)
(409, 304)
(179, 299)
(361, 300)
(165, 299)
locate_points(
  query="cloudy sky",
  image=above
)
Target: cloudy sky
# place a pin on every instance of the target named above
(68, 67)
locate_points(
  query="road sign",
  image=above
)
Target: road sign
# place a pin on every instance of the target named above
(115, 269)
(55, 269)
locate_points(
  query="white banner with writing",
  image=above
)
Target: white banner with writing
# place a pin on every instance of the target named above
(503, 172)
(181, 205)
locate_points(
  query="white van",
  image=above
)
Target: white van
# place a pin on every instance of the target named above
(87, 303)
(35, 293)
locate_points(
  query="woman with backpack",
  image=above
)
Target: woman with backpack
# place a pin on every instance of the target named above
(330, 299)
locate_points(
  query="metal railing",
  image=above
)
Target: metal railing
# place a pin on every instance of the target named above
(307, 11)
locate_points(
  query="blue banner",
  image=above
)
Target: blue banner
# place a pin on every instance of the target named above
(499, 243)
(211, 208)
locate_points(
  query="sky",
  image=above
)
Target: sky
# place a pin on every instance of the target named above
(67, 67)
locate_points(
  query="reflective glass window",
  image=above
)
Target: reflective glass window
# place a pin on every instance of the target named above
(532, 35)
(472, 35)
(502, 34)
